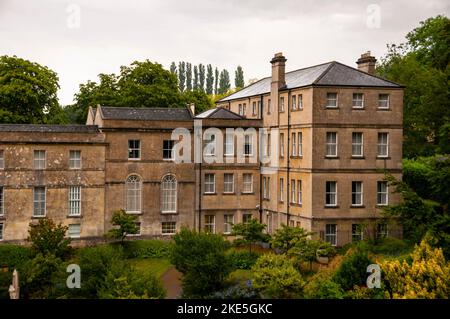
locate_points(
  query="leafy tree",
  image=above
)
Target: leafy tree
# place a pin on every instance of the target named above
(239, 77)
(251, 232)
(200, 99)
(353, 270)
(28, 92)
(216, 81)
(173, 68)
(201, 71)
(202, 260)
(276, 277)
(125, 225)
(224, 82)
(287, 237)
(428, 276)
(47, 238)
(188, 76)
(195, 85)
(421, 64)
(307, 250)
(327, 289)
(209, 79)
(182, 76)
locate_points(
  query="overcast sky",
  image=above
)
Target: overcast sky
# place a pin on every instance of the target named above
(82, 38)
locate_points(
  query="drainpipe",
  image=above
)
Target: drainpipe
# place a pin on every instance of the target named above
(260, 175)
(288, 184)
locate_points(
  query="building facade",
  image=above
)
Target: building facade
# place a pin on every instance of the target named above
(331, 132)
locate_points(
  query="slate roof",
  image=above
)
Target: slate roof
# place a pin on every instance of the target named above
(219, 113)
(331, 73)
(148, 113)
(38, 128)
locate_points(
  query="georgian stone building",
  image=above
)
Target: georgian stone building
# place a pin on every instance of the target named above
(335, 131)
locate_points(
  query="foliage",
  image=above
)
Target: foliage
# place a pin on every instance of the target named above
(359, 292)
(224, 82)
(287, 237)
(125, 225)
(308, 250)
(13, 256)
(237, 291)
(353, 270)
(28, 92)
(390, 246)
(239, 77)
(147, 249)
(202, 260)
(276, 277)
(250, 232)
(44, 277)
(242, 259)
(48, 238)
(421, 64)
(201, 101)
(327, 289)
(427, 277)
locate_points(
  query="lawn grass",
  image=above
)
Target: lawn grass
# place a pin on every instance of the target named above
(155, 266)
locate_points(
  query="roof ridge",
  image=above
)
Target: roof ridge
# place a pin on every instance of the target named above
(144, 107)
(373, 75)
(332, 63)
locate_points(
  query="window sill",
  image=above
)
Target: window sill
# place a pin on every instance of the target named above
(331, 206)
(248, 193)
(169, 212)
(168, 159)
(355, 157)
(297, 156)
(228, 193)
(74, 216)
(134, 159)
(383, 109)
(331, 157)
(331, 107)
(383, 157)
(133, 213)
(296, 205)
(356, 108)
(208, 194)
(168, 234)
(357, 206)
(38, 217)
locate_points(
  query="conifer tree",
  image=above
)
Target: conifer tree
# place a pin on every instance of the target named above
(239, 78)
(201, 71)
(209, 79)
(181, 76)
(188, 76)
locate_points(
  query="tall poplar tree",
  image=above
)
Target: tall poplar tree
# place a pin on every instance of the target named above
(173, 68)
(239, 77)
(188, 76)
(216, 80)
(195, 84)
(209, 79)
(224, 81)
(181, 75)
(201, 71)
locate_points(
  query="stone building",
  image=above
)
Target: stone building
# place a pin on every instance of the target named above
(330, 131)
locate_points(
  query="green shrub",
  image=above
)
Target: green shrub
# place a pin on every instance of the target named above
(242, 259)
(353, 270)
(147, 249)
(201, 257)
(47, 237)
(391, 246)
(276, 277)
(11, 257)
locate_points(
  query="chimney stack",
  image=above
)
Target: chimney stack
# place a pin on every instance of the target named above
(278, 70)
(366, 63)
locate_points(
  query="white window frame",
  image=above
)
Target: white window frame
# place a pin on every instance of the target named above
(40, 201)
(134, 148)
(227, 224)
(246, 183)
(2, 201)
(380, 193)
(281, 144)
(76, 235)
(244, 109)
(300, 143)
(294, 102)
(382, 233)
(330, 145)
(358, 194)
(168, 230)
(240, 109)
(269, 106)
(328, 105)
(227, 183)
(300, 101)
(383, 145)
(210, 225)
(254, 113)
(356, 100)
(331, 193)
(209, 182)
(357, 233)
(356, 145)
(211, 143)
(388, 102)
(331, 237)
(74, 162)
(229, 145)
(2, 159)
(248, 144)
(39, 162)
(299, 192)
(75, 200)
(281, 189)
(133, 188)
(294, 144)
(169, 194)
(281, 106)
(245, 216)
(165, 149)
(293, 191)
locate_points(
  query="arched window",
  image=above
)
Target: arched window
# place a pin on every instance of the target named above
(133, 189)
(169, 194)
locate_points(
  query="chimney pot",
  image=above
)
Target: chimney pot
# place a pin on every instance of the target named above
(278, 70)
(366, 63)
